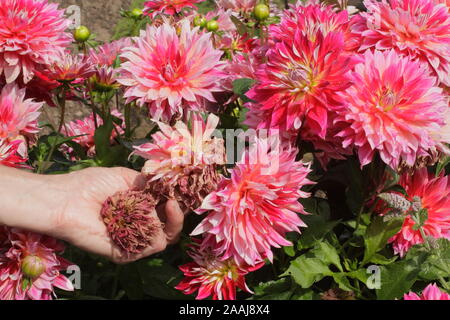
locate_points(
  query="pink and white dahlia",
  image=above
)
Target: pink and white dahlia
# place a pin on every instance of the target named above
(306, 69)
(416, 28)
(85, 128)
(172, 71)
(394, 108)
(433, 193)
(30, 266)
(314, 18)
(18, 116)
(182, 163)
(31, 32)
(253, 210)
(68, 68)
(170, 7)
(298, 87)
(431, 292)
(106, 54)
(245, 6)
(211, 276)
(10, 155)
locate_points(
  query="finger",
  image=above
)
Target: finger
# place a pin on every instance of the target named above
(132, 178)
(174, 221)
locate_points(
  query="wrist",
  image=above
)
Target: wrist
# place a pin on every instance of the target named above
(32, 202)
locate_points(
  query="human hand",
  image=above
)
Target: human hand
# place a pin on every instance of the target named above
(78, 219)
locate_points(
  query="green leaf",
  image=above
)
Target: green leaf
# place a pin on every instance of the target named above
(382, 260)
(318, 229)
(306, 271)
(242, 86)
(360, 274)
(328, 254)
(281, 289)
(398, 278)
(159, 279)
(377, 235)
(290, 251)
(437, 264)
(343, 282)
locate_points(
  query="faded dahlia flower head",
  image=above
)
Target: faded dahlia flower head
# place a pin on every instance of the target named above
(85, 128)
(131, 220)
(10, 155)
(182, 162)
(18, 116)
(30, 266)
(416, 28)
(31, 32)
(298, 86)
(434, 195)
(211, 277)
(252, 211)
(170, 7)
(431, 292)
(394, 108)
(172, 71)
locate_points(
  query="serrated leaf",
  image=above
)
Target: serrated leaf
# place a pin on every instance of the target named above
(343, 282)
(281, 289)
(327, 254)
(398, 278)
(306, 271)
(377, 235)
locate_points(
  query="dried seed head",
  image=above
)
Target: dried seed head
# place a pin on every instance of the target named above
(131, 220)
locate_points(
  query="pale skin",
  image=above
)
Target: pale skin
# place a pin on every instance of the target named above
(68, 207)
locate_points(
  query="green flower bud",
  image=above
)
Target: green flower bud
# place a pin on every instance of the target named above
(32, 267)
(212, 26)
(261, 12)
(81, 34)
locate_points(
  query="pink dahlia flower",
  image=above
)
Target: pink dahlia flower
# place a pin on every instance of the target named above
(172, 71)
(170, 7)
(432, 292)
(17, 114)
(182, 162)
(106, 54)
(10, 155)
(210, 276)
(311, 19)
(298, 86)
(69, 68)
(416, 28)
(237, 5)
(86, 129)
(31, 32)
(393, 108)
(434, 195)
(30, 266)
(253, 210)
